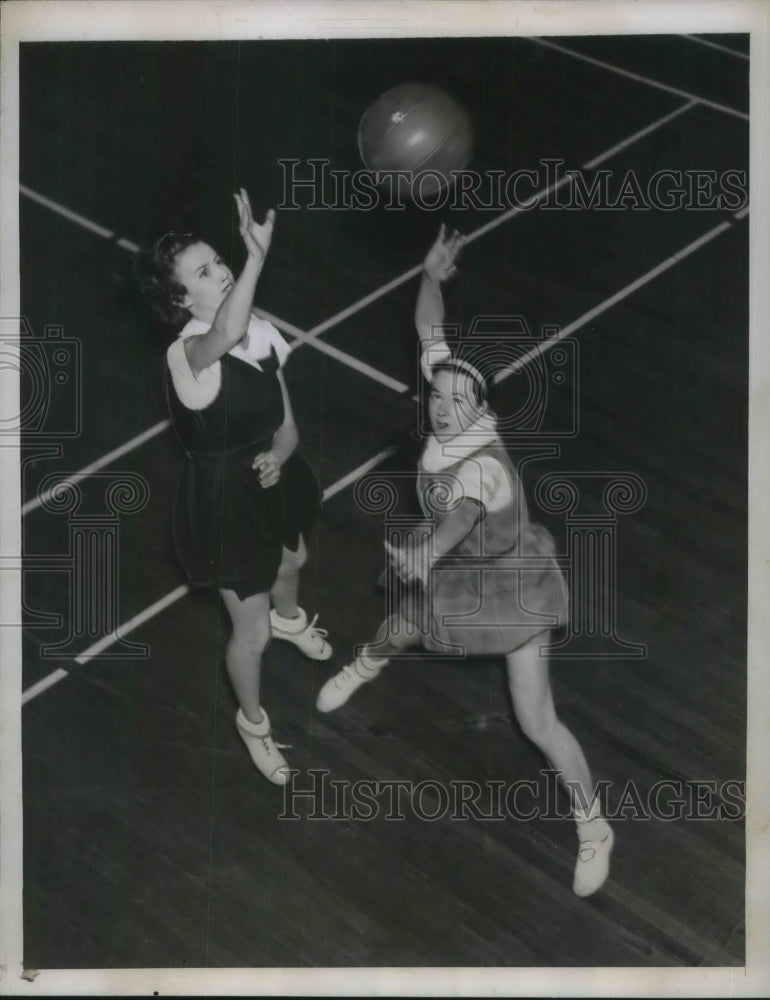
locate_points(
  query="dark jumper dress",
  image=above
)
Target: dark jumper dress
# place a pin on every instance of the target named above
(228, 531)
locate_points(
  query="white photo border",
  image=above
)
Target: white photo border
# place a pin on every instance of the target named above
(59, 20)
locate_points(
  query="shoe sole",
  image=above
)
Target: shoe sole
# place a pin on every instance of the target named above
(310, 656)
(329, 708)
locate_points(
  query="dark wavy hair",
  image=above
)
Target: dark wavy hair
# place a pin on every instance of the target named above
(155, 272)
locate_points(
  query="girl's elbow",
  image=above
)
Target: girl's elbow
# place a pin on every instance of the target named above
(228, 326)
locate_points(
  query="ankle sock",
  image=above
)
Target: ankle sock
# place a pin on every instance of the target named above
(371, 664)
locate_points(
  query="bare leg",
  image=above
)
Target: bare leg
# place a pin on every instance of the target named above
(286, 587)
(533, 706)
(251, 634)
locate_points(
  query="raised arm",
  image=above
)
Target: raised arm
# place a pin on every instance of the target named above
(439, 265)
(232, 317)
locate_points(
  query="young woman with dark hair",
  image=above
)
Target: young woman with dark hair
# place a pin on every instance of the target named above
(245, 498)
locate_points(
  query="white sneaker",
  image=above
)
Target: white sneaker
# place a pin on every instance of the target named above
(341, 686)
(593, 863)
(302, 633)
(264, 752)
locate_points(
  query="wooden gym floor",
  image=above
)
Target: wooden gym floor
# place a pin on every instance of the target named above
(149, 838)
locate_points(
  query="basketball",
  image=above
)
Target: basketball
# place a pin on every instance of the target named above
(418, 128)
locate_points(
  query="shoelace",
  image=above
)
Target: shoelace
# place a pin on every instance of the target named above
(589, 846)
(321, 633)
(268, 740)
(349, 670)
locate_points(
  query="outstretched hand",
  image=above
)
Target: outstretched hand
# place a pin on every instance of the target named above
(439, 263)
(256, 237)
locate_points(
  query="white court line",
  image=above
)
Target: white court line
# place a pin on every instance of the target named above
(717, 45)
(545, 345)
(140, 439)
(59, 675)
(309, 338)
(378, 293)
(151, 432)
(306, 338)
(338, 318)
(316, 331)
(371, 463)
(351, 477)
(160, 605)
(638, 77)
(75, 217)
(590, 164)
(132, 623)
(498, 220)
(86, 471)
(43, 685)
